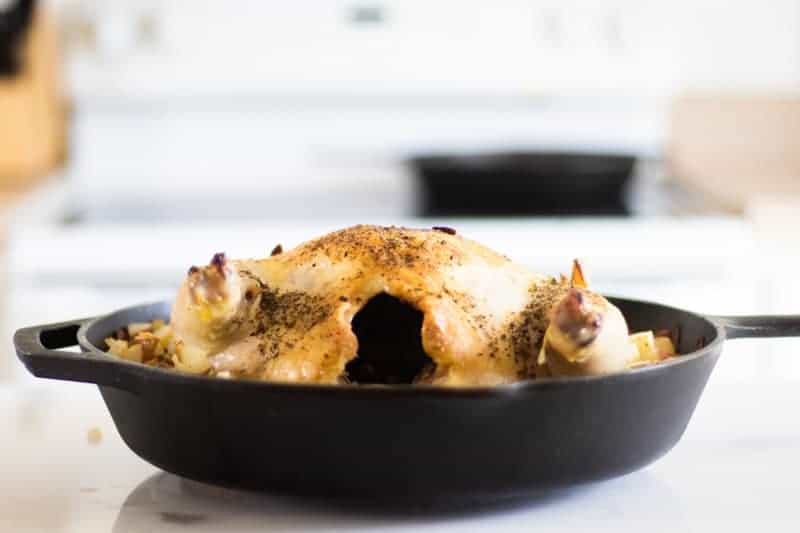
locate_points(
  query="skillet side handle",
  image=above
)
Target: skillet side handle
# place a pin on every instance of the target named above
(37, 348)
(740, 327)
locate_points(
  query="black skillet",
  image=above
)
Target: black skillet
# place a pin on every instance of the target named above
(414, 444)
(523, 183)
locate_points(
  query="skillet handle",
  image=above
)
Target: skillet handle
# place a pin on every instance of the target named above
(37, 348)
(739, 327)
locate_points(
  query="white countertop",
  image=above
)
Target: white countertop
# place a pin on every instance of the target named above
(735, 468)
(622, 247)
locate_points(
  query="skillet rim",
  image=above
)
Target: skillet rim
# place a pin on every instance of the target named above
(142, 371)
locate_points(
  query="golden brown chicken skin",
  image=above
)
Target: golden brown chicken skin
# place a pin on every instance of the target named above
(483, 318)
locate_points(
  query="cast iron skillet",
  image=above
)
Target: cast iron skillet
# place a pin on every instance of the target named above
(523, 183)
(415, 444)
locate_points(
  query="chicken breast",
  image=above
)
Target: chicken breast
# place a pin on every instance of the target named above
(482, 318)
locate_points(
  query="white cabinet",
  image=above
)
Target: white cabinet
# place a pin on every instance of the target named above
(402, 48)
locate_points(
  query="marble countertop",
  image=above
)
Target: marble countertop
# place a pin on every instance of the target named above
(65, 468)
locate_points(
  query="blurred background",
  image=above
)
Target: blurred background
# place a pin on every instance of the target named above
(657, 141)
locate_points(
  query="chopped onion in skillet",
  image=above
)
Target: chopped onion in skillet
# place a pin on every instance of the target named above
(153, 344)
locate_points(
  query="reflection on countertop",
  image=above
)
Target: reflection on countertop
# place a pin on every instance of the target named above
(165, 502)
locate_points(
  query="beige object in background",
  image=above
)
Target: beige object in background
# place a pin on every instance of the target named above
(32, 130)
(32, 112)
(738, 148)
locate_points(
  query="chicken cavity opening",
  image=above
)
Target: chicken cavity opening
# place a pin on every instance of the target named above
(389, 336)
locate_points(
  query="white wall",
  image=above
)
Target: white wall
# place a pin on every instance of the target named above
(739, 44)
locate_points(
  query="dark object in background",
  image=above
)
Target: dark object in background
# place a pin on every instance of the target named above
(14, 22)
(524, 184)
(403, 444)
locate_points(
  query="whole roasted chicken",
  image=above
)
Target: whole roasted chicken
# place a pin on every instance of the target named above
(371, 304)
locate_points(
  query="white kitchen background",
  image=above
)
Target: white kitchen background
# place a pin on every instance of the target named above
(299, 101)
(200, 126)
